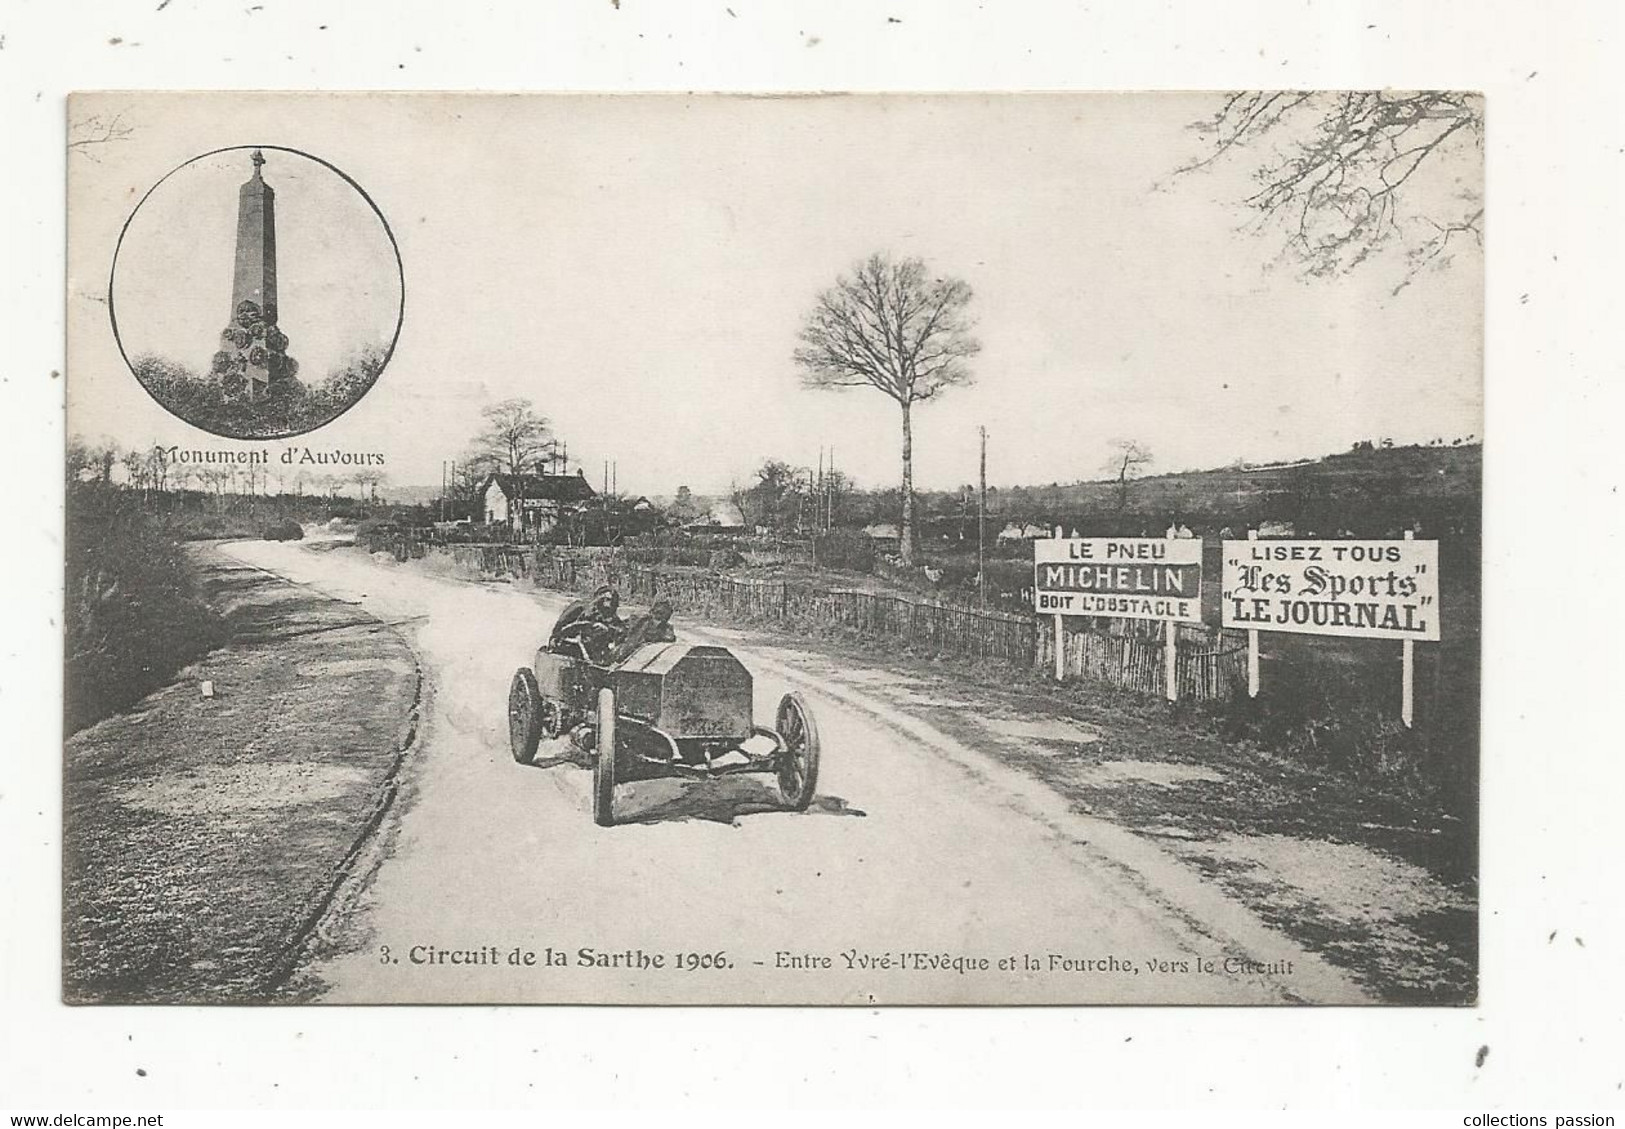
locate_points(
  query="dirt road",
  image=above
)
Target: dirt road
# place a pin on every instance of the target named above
(924, 872)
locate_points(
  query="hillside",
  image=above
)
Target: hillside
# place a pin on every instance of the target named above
(1369, 491)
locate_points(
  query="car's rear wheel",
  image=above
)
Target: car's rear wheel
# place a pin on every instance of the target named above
(524, 716)
(603, 769)
(798, 764)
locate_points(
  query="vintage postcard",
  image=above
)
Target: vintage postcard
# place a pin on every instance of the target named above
(839, 550)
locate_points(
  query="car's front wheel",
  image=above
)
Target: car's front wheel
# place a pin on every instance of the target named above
(603, 768)
(798, 764)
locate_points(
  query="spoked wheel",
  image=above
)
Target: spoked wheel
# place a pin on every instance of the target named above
(524, 716)
(603, 768)
(798, 764)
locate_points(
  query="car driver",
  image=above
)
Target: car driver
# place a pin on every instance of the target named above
(589, 627)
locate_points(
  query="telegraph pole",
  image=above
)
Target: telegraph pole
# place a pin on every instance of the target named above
(981, 526)
(817, 492)
(829, 493)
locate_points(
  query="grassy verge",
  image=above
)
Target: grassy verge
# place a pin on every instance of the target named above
(135, 610)
(203, 836)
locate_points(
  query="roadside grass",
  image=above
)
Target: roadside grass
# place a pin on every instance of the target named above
(202, 836)
(134, 613)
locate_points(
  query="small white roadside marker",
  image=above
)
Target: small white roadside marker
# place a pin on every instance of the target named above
(208, 688)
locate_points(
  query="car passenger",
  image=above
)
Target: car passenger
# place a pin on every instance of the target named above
(652, 627)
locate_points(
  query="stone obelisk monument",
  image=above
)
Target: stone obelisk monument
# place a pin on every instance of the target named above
(253, 358)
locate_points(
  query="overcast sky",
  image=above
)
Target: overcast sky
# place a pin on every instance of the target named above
(638, 266)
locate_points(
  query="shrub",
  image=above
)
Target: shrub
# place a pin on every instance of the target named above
(849, 549)
(292, 407)
(1343, 716)
(285, 530)
(134, 612)
(212, 527)
(669, 554)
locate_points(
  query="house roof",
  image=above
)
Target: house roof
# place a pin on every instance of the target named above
(543, 487)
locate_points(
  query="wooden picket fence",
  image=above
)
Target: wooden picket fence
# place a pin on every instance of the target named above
(492, 559)
(1209, 665)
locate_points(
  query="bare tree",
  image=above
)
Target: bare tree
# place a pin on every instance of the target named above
(213, 480)
(514, 440)
(135, 469)
(1344, 175)
(1128, 461)
(157, 468)
(891, 325)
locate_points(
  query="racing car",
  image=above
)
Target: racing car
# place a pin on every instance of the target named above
(665, 710)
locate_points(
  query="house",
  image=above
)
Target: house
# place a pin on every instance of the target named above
(533, 502)
(885, 536)
(1029, 532)
(719, 516)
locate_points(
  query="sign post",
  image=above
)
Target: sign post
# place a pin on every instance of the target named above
(1252, 645)
(1123, 578)
(1407, 672)
(1170, 662)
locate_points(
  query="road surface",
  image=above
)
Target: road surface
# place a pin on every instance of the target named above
(925, 871)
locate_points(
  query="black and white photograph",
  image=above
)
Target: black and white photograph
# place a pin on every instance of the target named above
(846, 550)
(774, 561)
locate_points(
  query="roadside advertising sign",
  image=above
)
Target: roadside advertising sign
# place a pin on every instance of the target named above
(1123, 577)
(1369, 589)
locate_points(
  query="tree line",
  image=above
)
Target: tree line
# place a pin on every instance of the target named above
(150, 469)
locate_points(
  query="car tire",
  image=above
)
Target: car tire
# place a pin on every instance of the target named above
(798, 764)
(524, 716)
(604, 766)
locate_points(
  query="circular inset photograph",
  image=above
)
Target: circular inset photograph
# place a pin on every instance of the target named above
(257, 292)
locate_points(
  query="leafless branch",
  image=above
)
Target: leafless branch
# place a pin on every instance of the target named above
(1338, 173)
(88, 134)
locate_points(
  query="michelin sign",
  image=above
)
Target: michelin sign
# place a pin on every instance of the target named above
(1123, 577)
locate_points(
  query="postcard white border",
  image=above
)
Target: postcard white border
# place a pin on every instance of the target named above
(1551, 997)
